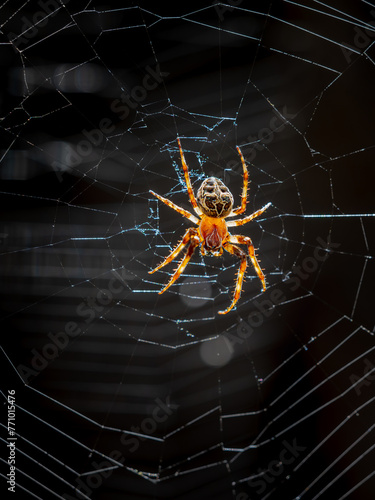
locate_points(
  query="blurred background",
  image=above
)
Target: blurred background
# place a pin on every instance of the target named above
(124, 393)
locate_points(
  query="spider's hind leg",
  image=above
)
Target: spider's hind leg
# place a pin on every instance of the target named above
(245, 240)
(234, 250)
(186, 238)
(190, 235)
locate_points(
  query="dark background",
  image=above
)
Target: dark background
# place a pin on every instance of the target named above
(80, 231)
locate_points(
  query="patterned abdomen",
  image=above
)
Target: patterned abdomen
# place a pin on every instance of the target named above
(214, 198)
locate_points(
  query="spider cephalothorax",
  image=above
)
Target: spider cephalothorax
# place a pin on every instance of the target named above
(214, 198)
(213, 204)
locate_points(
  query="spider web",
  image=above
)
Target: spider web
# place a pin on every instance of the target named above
(121, 392)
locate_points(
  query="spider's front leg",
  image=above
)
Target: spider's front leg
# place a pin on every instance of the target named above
(240, 222)
(178, 209)
(245, 186)
(185, 168)
(190, 235)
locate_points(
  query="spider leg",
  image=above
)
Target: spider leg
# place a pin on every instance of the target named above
(178, 209)
(240, 222)
(191, 232)
(194, 242)
(192, 199)
(242, 207)
(245, 240)
(234, 250)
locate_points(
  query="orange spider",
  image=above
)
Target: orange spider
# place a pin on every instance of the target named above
(214, 203)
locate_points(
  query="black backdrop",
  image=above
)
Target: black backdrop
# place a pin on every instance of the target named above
(120, 392)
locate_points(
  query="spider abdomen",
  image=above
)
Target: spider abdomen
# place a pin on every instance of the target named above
(214, 198)
(213, 232)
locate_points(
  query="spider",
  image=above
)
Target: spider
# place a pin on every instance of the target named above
(213, 204)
